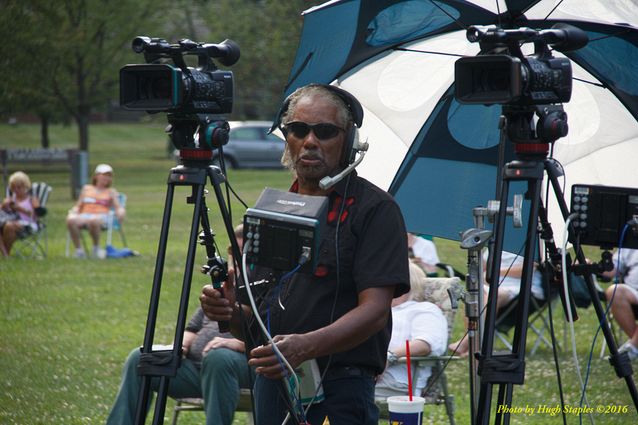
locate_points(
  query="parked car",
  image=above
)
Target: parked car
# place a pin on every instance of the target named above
(250, 146)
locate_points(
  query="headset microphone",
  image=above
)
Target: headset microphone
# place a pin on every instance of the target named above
(328, 181)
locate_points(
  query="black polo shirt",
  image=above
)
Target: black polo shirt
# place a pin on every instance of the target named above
(373, 252)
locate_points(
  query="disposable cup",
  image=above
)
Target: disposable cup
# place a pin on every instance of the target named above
(405, 412)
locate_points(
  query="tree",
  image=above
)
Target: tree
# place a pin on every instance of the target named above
(267, 32)
(75, 48)
(21, 67)
(66, 56)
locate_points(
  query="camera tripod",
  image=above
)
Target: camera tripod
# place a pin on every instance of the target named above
(164, 363)
(507, 369)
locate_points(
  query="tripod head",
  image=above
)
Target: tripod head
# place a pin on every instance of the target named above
(532, 140)
(197, 136)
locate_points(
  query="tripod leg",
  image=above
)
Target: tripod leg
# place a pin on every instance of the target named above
(149, 334)
(216, 178)
(486, 383)
(164, 363)
(509, 369)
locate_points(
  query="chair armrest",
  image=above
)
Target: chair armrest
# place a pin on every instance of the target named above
(40, 212)
(429, 359)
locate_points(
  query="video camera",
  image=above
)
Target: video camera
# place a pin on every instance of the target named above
(503, 75)
(193, 97)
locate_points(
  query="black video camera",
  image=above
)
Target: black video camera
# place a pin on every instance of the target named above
(503, 75)
(193, 97)
(164, 87)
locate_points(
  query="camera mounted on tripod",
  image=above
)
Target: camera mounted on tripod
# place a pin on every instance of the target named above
(525, 85)
(194, 98)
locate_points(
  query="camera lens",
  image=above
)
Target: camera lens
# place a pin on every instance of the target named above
(139, 44)
(154, 87)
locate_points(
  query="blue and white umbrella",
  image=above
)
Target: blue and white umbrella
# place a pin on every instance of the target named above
(438, 157)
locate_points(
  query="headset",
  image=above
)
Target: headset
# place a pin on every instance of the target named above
(352, 144)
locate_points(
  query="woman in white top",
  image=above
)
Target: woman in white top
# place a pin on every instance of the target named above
(424, 326)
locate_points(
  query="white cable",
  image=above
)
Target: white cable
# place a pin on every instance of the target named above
(261, 323)
(569, 311)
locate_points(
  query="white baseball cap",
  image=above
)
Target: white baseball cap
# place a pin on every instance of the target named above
(103, 169)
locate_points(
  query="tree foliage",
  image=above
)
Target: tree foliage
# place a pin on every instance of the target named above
(68, 53)
(267, 32)
(66, 56)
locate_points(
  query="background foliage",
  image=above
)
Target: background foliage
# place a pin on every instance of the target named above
(63, 60)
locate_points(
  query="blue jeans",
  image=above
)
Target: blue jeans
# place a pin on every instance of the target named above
(218, 382)
(348, 401)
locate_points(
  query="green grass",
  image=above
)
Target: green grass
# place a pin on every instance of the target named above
(66, 325)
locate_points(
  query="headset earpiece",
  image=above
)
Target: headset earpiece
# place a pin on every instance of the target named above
(350, 146)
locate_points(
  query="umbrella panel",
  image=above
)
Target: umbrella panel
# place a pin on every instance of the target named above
(414, 126)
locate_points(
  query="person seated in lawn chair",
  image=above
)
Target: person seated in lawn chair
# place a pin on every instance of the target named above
(509, 286)
(92, 209)
(18, 211)
(423, 252)
(424, 326)
(623, 296)
(214, 369)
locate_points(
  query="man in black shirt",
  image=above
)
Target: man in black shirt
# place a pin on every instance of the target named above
(340, 315)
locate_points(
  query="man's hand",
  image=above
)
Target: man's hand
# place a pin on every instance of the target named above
(218, 305)
(295, 348)
(230, 343)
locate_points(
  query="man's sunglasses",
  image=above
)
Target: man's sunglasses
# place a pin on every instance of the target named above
(299, 129)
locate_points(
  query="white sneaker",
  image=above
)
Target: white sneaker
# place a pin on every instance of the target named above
(80, 254)
(99, 253)
(630, 349)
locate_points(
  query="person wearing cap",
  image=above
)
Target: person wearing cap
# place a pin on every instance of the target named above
(92, 208)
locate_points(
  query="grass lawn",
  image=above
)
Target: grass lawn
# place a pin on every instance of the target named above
(66, 325)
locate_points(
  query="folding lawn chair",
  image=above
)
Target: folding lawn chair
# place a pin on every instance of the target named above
(537, 321)
(112, 224)
(444, 292)
(34, 243)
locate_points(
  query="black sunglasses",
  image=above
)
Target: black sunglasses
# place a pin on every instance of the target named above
(300, 129)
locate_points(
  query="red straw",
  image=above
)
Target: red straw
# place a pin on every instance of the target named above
(407, 355)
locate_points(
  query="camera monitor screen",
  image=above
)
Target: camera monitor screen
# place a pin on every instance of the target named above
(602, 213)
(284, 229)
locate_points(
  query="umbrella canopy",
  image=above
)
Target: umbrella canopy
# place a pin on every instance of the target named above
(438, 157)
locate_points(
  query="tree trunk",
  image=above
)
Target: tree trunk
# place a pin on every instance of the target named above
(83, 106)
(83, 129)
(44, 131)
